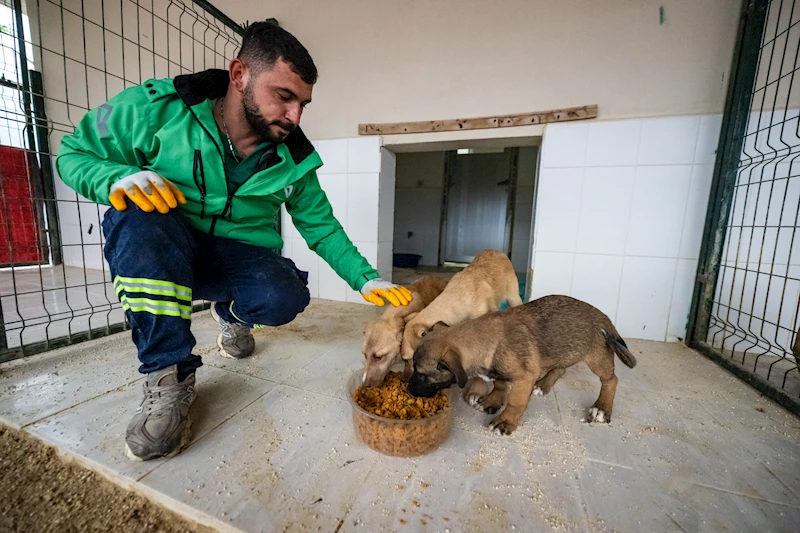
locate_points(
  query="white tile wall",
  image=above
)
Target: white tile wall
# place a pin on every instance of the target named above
(558, 209)
(335, 187)
(334, 156)
(566, 145)
(605, 210)
(552, 273)
(658, 209)
(287, 247)
(364, 154)
(668, 141)
(708, 139)
(331, 286)
(681, 299)
(613, 143)
(696, 207)
(596, 280)
(645, 297)
(620, 209)
(363, 199)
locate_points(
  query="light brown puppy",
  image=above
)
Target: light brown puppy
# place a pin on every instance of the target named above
(515, 348)
(383, 335)
(480, 288)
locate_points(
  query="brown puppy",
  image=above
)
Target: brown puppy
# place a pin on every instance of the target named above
(517, 346)
(383, 335)
(478, 289)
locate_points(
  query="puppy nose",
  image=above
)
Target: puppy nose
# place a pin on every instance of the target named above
(364, 377)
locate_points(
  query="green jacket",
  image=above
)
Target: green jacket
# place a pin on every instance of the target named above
(167, 126)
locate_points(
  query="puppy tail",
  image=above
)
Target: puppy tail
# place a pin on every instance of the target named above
(619, 347)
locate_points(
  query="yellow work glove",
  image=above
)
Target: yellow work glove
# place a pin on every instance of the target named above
(375, 290)
(148, 190)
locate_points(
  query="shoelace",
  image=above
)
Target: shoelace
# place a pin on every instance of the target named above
(163, 396)
(229, 329)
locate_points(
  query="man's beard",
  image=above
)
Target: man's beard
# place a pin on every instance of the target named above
(259, 123)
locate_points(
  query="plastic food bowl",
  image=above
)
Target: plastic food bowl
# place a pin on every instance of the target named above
(399, 438)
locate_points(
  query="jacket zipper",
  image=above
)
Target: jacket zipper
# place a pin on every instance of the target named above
(201, 184)
(219, 151)
(228, 206)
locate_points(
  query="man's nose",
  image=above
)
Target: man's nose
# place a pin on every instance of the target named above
(293, 114)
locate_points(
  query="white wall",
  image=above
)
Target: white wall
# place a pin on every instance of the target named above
(393, 60)
(418, 204)
(358, 178)
(620, 211)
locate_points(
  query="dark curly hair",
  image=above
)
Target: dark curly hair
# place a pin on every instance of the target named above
(264, 43)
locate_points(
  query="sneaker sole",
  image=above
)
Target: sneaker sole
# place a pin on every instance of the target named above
(186, 439)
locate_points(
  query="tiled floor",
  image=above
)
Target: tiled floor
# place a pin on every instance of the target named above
(690, 448)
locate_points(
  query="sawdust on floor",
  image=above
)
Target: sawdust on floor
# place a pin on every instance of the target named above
(43, 492)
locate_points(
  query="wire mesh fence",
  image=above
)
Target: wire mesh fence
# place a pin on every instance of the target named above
(58, 59)
(752, 241)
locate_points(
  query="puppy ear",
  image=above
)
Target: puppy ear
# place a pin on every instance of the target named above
(452, 360)
(420, 330)
(409, 317)
(408, 370)
(439, 325)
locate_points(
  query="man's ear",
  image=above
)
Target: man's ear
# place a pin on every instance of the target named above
(439, 326)
(452, 360)
(239, 74)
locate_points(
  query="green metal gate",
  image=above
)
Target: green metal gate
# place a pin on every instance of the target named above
(747, 296)
(58, 59)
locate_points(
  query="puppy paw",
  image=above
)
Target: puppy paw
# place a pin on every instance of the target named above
(597, 415)
(537, 391)
(473, 400)
(490, 404)
(502, 427)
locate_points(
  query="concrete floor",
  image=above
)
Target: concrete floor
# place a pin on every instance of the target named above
(690, 448)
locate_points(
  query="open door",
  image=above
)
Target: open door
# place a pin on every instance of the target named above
(478, 199)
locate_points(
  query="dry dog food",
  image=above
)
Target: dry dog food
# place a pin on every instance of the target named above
(392, 400)
(393, 436)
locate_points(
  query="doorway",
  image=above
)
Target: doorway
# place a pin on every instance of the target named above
(451, 204)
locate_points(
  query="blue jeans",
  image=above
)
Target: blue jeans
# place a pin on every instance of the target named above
(159, 264)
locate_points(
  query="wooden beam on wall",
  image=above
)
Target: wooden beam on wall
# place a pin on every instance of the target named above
(502, 121)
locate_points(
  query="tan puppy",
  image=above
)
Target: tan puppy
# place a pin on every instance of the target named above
(478, 289)
(383, 335)
(517, 346)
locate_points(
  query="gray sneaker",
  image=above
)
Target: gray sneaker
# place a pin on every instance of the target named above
(160, 427)
(235, 340)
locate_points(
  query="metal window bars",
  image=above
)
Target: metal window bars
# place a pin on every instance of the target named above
(58, 59)
(746, 308)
